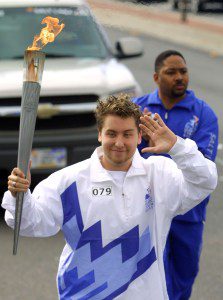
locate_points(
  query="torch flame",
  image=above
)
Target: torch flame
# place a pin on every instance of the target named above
(47, 34)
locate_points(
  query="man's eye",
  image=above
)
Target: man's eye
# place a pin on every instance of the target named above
(127, 135)
(111, 134)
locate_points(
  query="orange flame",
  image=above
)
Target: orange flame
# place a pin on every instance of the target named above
(47, 34)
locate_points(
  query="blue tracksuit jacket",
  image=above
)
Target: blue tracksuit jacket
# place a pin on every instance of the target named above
(190, 118)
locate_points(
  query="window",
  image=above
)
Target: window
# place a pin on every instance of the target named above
(81, 36)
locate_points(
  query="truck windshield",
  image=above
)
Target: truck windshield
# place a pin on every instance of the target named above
(80, 37)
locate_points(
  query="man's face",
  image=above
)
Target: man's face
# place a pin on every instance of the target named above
(119, 139)
(172, 78)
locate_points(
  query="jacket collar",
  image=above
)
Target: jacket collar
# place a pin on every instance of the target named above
(187, 102)
(99, 174)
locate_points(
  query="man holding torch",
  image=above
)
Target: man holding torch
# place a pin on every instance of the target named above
(115, 208)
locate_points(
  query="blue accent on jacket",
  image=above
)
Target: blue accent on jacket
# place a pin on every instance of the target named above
(190, 118)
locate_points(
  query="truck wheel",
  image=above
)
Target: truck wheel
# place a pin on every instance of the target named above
(196, 6)
(175, 4)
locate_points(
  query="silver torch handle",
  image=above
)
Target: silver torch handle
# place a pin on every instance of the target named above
(33, 69)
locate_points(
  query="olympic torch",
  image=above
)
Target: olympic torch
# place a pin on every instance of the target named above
(32, 76)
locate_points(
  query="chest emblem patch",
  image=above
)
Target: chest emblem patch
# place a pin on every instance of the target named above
(190, 127)
(149, 203)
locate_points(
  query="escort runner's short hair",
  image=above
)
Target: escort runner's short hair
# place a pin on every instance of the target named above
(120, 105)
(163, 56)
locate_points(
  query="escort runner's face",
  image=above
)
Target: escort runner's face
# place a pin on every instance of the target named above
(172, 78)
(119, 139)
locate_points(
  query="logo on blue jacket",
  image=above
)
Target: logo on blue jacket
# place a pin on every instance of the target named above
(190, 127)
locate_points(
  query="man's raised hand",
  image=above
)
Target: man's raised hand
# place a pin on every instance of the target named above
(161, 136)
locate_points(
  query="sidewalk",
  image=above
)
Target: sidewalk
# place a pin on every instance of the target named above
(198, 32)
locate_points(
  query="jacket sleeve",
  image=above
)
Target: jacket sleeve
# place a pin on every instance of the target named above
(42, 210)
(206, 135)
(188, 178)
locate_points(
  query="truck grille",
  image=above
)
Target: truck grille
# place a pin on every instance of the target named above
(63, 121)
(56, 122)
(67, 99)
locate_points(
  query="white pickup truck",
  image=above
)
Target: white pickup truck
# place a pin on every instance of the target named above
(80, 68)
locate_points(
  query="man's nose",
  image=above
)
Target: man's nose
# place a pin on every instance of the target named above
(119, 142)
(179, 76)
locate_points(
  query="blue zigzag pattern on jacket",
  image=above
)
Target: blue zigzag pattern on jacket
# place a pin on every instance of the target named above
(71, 206)
(106, 275)
(72, 223)
(142, 266)
(92, 271)
(129, 242)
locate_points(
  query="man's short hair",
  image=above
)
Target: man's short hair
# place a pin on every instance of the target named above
(120, 105)
(163, 56)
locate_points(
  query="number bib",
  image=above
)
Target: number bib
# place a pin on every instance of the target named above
(102, 191)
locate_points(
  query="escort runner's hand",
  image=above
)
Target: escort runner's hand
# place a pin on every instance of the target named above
(145, 135)
(160, 135)
(17, 181)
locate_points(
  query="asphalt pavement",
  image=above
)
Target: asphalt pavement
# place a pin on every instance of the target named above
(198, 32)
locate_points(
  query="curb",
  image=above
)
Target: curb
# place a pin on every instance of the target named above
(197, 32)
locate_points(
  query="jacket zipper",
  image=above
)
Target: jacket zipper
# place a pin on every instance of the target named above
(123, 198)
(126, 212)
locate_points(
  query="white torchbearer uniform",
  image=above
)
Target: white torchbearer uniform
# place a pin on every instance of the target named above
(115, 233)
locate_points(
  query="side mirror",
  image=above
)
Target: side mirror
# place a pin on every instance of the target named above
(127, 47)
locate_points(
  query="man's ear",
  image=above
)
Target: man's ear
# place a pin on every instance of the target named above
(140, 137)
(99, 137)
(156, 77)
